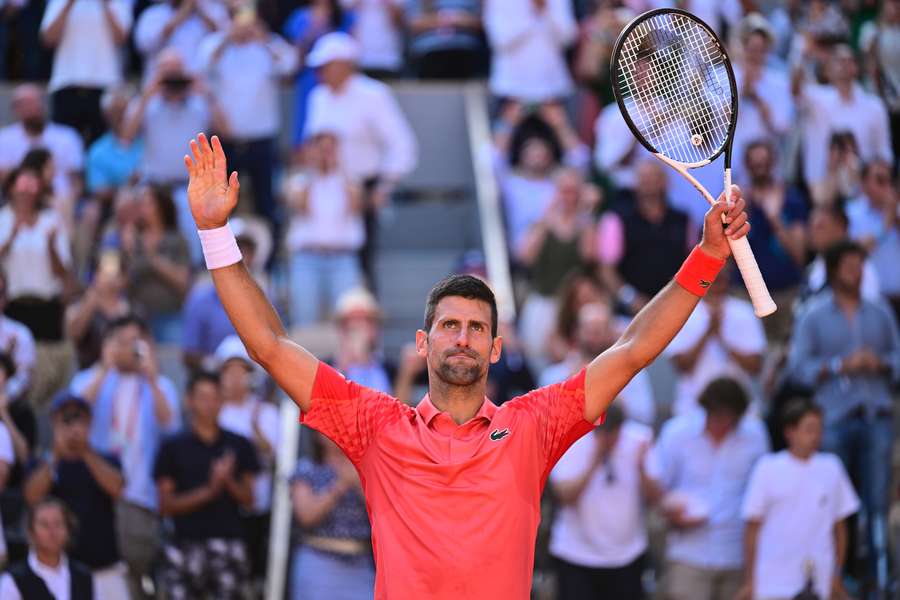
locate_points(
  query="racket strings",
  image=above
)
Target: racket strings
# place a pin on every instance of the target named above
(675, 87)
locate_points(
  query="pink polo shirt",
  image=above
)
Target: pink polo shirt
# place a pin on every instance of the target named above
(454, 508)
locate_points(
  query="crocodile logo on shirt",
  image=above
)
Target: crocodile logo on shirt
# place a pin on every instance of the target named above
(705, 284)
(499, 434)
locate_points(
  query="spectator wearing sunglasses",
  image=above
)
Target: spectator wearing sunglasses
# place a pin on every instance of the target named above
(600, 552)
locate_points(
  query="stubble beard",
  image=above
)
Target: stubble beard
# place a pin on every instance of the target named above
(460, 375)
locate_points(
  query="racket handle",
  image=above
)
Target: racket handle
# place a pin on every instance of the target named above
(763, 305)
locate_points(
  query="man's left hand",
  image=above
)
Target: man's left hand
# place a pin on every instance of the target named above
(715, 237)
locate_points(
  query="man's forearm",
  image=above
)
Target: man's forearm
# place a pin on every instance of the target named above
(656, 324)
(173, 504)
(107, 476)
(751, 534)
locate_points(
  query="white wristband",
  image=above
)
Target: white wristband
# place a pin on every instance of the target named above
(220, 248)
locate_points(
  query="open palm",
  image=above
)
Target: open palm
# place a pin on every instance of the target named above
(212, 195)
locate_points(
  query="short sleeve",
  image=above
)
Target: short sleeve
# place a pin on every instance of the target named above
(54, 7)
(847, 500)
(557, 412)
(349, 414)
(575, 462)
(754, 504)
(164, 465)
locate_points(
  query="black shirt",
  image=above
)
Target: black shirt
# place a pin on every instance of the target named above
(187, 460)
(94, 543)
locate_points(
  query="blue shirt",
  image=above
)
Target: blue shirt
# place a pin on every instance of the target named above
(824, 335)
(775, 263)
(348, 518)
(205, 323)
(124, 425)
(110, 164)
(867, 222)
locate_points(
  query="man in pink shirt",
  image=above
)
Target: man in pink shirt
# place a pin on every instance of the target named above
(453, 485)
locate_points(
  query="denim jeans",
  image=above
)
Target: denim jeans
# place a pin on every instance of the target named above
(318, 280)
(865, 447)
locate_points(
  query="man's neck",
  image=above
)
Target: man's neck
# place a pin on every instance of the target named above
(804, 456)
(847, 300)
(208, 432)
(461, 403)
(844, 89)
(48, 559)
(235, 397)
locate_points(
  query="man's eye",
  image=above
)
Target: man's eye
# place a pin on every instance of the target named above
(478, 327)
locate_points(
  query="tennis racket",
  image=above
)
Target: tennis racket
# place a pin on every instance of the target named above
(675, 87)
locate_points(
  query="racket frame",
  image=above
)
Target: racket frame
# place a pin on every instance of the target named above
(763, 305)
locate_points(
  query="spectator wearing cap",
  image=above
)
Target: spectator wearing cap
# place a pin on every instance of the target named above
(303, 27)
(600, 553)
(88, 38)
(247, 414)
(204, 477)
(796, 507)
(88, 483)
(874, 222)
(528, 41)
(846, 349)
(48, 573)
(358, 356)
(764, 91)
(32, 129)
(377, 145)
(204, 322)
(179, 25)
(133, 407)
(593, 334)
(245, 66)
(325, 234)
(702, 461)
(113, 159)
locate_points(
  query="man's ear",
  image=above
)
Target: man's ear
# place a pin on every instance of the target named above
(421, 343)
(496, 349)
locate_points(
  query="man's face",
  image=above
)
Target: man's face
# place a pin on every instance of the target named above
(235, 377)
(842, 66)
(806, 436)
(28, 105)
(759, 163)
(720, 423)
(459, 347)
(49, 531)
(594, 333)
(756, 48)
(824, 230)
(71, 426)
(877, 182)
(335, 73)
(125, 342)
(205, 402)
(652, 180)
(848, 274)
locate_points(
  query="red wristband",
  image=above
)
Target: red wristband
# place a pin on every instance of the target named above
(698, 272)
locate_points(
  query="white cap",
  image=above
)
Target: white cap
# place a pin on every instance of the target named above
(232, 348)
(333, 46)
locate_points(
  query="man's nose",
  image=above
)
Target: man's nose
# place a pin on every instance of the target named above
(462, 338)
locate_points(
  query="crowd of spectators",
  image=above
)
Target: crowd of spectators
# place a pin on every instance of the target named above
(137, 438)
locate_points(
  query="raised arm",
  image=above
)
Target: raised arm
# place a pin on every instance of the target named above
(212, 197)
(656, 324)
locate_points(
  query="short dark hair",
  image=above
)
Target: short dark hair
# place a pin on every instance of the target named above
(464, 286)
(835, 253)
(724, 395)
(796, 409)
(7, 364)
(125, 321)
(52, 502)
(202, 376)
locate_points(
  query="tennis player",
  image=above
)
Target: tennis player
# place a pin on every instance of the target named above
(453, 485)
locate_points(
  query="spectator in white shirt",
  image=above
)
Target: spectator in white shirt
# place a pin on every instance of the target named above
(528, 39)
(180, 25)
(842, 105)
(88, 38)
(246, 414)
(595, 333)
(32, 130)
(599, 535)
(48, 572)
(325, 234)
(377, 144)
(875, 223)
(703, 461)
(722, 337)
(378, 28)
(796, 507)
(245, 66)
(764, 91)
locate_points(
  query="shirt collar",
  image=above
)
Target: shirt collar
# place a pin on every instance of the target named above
(39, 567)
(429, 411)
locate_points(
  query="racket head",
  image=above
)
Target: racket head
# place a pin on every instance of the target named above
(675, 87)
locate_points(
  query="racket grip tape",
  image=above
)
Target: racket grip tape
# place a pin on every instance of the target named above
(763, 305)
